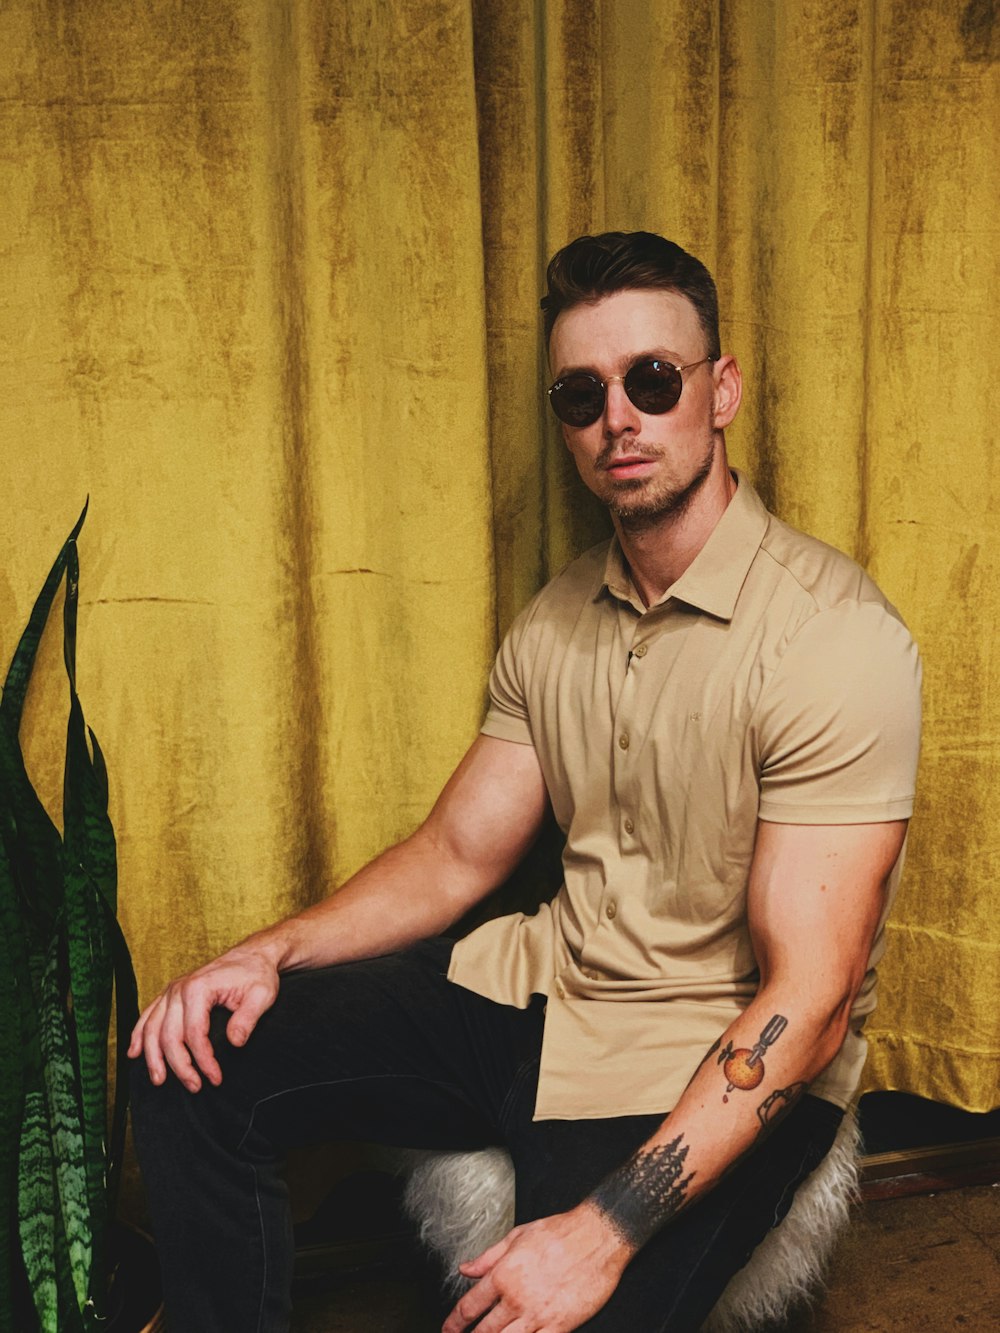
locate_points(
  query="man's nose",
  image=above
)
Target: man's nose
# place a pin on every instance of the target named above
(620, 413)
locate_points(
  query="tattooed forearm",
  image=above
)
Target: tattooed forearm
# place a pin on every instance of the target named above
(646, 1191)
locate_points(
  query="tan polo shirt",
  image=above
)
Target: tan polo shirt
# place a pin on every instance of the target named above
(772, 680)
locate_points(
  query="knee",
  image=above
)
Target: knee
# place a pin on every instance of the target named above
(163, 1111)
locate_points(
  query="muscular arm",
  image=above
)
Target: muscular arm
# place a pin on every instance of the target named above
(482, 824)
(814, 903)
(815, 898)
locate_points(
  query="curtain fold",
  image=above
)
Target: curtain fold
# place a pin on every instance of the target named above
(269, 277)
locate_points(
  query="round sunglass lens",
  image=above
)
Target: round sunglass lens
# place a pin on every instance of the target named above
(578, 400)
(653, 386)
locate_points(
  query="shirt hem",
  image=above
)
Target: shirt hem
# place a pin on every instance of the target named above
(846, 813)
(507, 729)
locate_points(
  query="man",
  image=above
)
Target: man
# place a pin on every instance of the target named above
(724, 716)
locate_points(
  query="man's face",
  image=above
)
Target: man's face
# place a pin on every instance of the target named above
(642, 466)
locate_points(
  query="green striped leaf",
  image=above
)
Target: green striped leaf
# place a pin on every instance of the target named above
(13, 981)
(34, 846)
(36, 853)
(67, 1140)
(127, 1015)
(16, 685)
(38, 1208)
(89, 872)
(91, 991)
(62, 939)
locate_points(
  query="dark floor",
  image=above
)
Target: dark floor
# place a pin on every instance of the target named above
(920, 1264)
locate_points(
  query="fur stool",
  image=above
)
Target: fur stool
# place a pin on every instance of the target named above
(464, 1201)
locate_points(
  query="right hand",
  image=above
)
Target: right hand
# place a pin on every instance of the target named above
(173, 1030)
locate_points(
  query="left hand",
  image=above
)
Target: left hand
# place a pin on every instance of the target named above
(547, 1276)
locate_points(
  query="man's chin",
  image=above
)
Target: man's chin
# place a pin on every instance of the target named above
(631, 505)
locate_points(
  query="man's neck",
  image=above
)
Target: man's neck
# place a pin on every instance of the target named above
(658, 552)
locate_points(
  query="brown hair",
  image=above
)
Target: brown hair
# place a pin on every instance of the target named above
(594, 266)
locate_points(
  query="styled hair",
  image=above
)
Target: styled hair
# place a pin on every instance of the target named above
(594, 266)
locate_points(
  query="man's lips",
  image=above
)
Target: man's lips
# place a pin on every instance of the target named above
(628, 465)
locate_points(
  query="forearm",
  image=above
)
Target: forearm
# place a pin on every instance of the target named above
(756, 1072)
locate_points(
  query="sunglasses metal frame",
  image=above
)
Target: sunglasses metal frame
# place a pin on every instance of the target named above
(622, 380)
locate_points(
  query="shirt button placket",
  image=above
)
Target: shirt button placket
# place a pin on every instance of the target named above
(624, 741)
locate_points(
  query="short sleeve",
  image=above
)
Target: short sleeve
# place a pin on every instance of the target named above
(838, 723)
(507, 714)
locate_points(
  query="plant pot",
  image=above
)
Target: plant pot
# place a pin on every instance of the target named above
(134, 1304)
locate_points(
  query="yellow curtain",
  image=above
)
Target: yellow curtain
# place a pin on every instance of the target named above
(269, 273)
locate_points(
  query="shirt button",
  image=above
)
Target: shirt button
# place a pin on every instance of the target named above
(641, 650)
(591, 974)
(560, 990)
(629, 826)
(623, 740)
(611, 911)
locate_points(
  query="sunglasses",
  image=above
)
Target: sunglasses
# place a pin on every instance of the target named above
(653, 386)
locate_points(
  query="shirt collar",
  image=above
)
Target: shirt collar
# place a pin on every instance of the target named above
(714, 578)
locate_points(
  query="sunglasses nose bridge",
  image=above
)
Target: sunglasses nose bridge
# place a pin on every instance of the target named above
(620, 412)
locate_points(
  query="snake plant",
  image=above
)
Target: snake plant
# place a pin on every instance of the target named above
(62, 958)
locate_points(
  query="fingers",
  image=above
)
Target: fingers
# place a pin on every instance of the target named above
(257, 999)
(161, 1041)
(173, 1033)
(173, 1030)
(135, 1044)
(484, 1307)
(195, 1037)
(476, 1301)
(179, 1026)
(482, 1263)
(500, 1321)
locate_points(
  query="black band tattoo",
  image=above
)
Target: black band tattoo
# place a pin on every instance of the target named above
(639, 1196)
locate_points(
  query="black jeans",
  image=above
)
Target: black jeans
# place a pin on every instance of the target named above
(390, 1051)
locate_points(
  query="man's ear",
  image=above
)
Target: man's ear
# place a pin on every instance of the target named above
(728, 391)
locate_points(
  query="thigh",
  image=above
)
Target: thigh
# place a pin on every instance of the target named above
(386, 1049)
(557, 1163)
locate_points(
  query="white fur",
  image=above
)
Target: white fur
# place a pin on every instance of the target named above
(464, 1201)
(789, 1264)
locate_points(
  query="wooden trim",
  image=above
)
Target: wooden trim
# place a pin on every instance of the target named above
(892, 1175)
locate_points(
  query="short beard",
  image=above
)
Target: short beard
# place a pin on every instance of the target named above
(646, 511)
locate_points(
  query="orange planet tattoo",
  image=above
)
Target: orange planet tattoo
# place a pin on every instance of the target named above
(744, 1067)
(741, 1073)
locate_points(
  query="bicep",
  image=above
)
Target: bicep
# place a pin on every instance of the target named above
(491, 809)
(815, 899)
